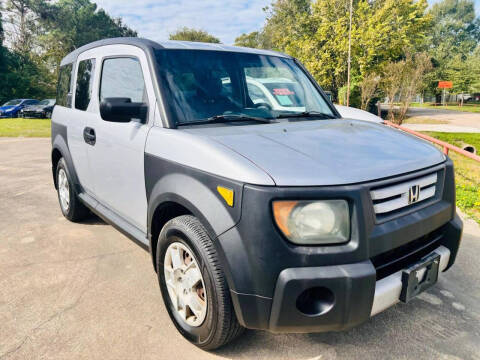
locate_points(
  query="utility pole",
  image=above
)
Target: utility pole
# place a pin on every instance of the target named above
(349, 62)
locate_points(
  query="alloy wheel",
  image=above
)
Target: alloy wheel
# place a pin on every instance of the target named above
(185, 284)
(63, 190)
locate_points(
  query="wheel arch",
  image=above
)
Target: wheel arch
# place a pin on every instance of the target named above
(163, 213)
(60, 150)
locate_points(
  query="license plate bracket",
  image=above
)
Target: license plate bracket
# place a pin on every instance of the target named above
(419, 277)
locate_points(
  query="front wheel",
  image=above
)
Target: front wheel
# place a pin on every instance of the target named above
(193, 285)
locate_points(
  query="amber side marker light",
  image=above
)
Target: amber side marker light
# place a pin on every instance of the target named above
(227, 195)
(281, 211)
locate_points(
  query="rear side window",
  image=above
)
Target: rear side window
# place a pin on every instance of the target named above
(83, 92)
(64, 86)
(123, 78)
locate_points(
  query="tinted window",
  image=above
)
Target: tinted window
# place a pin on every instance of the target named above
(123, 78)
(83, 92)
(64, 85)
(31, 102)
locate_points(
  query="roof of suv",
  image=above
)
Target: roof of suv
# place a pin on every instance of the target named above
(171, 44)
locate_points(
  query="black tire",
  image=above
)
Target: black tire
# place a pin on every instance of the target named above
(75, 211)
(48, 115)
(220, 325)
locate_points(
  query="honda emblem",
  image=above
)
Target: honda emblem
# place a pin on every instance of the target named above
(414, 194)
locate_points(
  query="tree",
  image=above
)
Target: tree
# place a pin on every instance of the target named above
(255, 39)
(70, 24)
(1, 28)
(454, 37)
(368, 88)
(188, 34)
(465, 74)
(403, 80)
(40, 33)
(286, 23)
(22, 25)
(317, 33)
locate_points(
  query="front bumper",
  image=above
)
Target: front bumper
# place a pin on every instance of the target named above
(33, 114)
(344, 295)
(268, 276)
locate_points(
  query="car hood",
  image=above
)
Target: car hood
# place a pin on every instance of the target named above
(6, 108)
(326, 152)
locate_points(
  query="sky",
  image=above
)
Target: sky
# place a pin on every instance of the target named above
(156, 19)
(225, 19)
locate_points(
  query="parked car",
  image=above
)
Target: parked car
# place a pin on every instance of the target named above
(464, 97)
(12, 108)
(287, 220)
(41, 110)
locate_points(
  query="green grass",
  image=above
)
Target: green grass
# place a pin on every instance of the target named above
(458, 139)
(24, 127)
(467, 172)
(465, 108)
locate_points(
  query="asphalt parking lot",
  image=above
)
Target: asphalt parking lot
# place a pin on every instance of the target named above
(84, 291)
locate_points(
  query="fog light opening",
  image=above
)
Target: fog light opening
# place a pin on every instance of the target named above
(315, 301)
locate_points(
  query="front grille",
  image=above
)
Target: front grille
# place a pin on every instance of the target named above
(397, 196)
(399, 258)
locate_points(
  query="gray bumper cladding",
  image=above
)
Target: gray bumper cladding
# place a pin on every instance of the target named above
(327, 298)
(333, 298)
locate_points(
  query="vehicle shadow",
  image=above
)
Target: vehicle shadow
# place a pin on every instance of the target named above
(93, 219)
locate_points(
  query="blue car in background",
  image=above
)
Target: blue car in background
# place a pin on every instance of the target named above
(11, 108)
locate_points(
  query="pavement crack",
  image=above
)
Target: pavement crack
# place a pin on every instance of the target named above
(14, 349)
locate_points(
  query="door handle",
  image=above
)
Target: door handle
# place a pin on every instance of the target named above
(89, 136)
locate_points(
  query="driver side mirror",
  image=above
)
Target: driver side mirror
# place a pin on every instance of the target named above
(122, 110)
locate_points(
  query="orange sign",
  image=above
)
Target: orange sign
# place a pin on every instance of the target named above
(445, 84)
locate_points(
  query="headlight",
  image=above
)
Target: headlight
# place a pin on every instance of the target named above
(313, 222)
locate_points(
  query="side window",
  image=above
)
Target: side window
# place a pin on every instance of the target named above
(83, 92)
(64, 85)
(123, 78)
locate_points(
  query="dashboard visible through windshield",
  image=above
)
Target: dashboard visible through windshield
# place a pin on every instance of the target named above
(203, 86)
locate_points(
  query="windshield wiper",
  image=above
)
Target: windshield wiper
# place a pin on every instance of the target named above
(227, 118)
(306, 114)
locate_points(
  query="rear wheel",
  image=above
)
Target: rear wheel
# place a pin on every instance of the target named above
(193, 285)
(70, 204)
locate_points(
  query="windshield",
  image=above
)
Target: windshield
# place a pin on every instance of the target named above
(13, 102)
(47, 102)
(203, 84)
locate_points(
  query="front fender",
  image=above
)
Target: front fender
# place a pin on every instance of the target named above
(195, 190)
